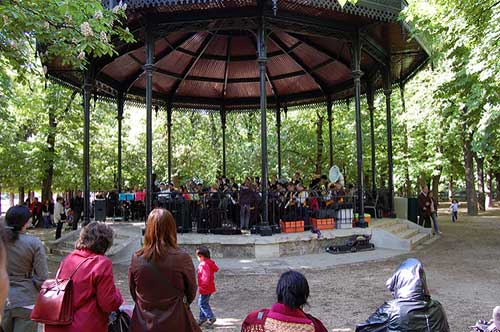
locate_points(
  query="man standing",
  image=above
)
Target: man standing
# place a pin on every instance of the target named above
(77, 208)
(424, 207)
(36, 213)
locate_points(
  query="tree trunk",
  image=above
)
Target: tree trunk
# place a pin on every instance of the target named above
(21, 195)
(480, 183)
(49, 171)
(406, 149)
(319, 143)
(489, 187)
(497, 186)
(51, 143)
(217, 148)
(469, 170)
(249, 127)
(435, 186)
(450, 188)
(12, 198)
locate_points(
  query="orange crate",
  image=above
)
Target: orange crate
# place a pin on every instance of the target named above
(292, 226)
(368, 219)
(323, 224)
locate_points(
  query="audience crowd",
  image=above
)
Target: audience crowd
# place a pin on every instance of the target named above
(163, 284)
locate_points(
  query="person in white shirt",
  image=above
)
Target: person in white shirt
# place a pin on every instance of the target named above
(454, 210)
(58, 212)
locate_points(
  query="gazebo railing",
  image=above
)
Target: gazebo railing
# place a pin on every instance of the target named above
(214, 212)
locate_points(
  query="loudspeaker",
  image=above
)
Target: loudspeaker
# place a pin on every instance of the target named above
(100, 210)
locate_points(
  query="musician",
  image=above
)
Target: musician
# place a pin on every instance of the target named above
(280, 193)
(291, 195)
(338, 193)
(248, 199)
(234, 206)
(315, 182)
(214, 198)
(185, 193)
(323, 181)
(302, 195)
(302, 203)
(296, 178)
(273, 183)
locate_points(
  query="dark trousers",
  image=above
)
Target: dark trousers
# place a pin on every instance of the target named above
(46, 222)
(454, 216)
(37, 220)
(303, 212)
(425, 221)
(59, 229)
(76, 218)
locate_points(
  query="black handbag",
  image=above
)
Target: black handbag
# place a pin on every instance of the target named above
(63, 216)
(119, 321)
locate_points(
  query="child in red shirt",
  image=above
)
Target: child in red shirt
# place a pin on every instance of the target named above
(206, 284)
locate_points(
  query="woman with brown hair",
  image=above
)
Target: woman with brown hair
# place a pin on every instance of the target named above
(162, 279)
(94, 293)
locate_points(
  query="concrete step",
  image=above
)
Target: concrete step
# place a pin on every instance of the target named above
(408, 233)
(383, 223)
(67, 245)
(397, 228)
(61, 251)
(418, 239)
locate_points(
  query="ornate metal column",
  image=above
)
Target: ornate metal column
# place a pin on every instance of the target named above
(169, 140)
(120, 105)
(357, 73)
(148, 68)
(278, 129)
(371, 109)
(223, 127)
(390, 175)
(330, 134)
(262, 60)
(88, 83)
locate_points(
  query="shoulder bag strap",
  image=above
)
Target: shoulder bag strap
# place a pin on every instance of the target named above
(75, 269)
(167, 284)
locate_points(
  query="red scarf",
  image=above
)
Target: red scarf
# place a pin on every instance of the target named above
(280, 318)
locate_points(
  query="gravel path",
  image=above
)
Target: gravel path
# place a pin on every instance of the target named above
(462, 267)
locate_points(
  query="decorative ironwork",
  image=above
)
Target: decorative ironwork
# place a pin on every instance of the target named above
(138, 4)
(387, 10)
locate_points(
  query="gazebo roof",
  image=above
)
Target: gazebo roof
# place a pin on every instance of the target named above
(206, 54)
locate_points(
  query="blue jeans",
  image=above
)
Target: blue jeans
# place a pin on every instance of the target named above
(204, 306)
(435, 222)
(46, 222)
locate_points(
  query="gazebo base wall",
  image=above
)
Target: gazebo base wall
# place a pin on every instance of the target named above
(279, 245)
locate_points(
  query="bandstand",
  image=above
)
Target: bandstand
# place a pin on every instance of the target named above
(228, 56)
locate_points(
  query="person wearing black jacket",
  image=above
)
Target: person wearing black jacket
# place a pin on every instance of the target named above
(76, 205)
(412, 309)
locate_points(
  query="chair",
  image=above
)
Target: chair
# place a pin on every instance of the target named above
(373, 207)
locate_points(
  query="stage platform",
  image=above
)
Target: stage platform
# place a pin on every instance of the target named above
(278, 245)
(393, 234)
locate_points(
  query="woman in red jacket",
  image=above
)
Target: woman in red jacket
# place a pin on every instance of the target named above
(94, 292)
